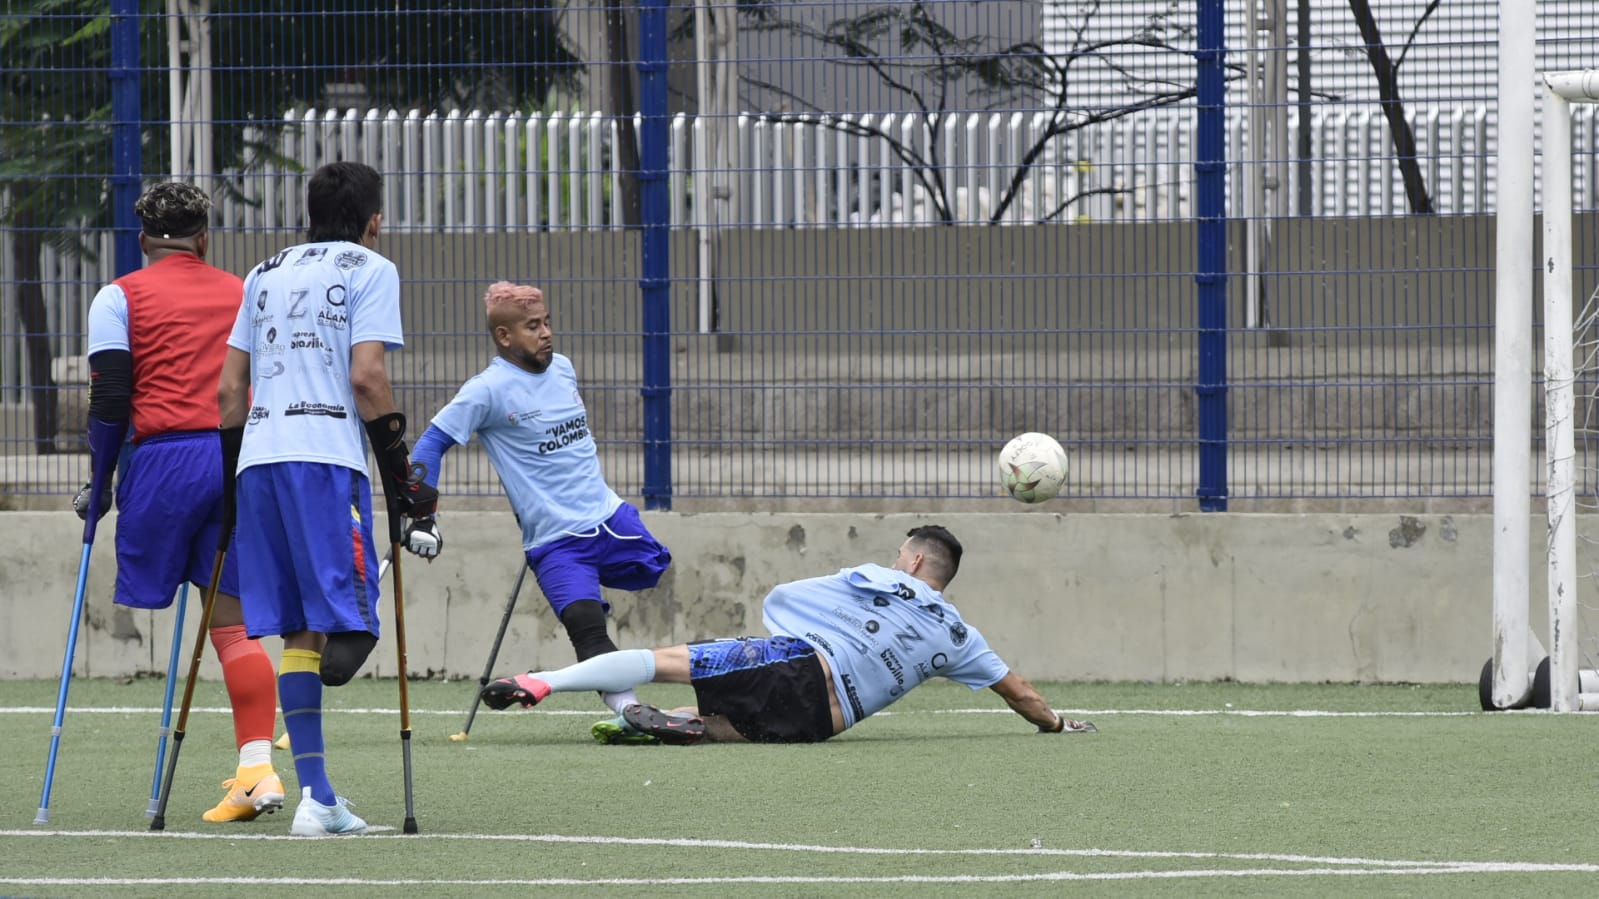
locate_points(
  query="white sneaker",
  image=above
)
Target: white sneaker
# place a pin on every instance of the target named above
(313, 819)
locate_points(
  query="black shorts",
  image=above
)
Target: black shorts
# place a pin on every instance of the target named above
(771, 689)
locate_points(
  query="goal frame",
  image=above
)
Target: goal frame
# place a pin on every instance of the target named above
(1570, 689)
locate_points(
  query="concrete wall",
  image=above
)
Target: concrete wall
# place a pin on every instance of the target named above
(1375, 598)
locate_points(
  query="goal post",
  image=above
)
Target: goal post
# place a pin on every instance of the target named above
(1571, 362)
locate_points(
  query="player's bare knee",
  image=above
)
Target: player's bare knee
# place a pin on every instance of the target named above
(343, 656)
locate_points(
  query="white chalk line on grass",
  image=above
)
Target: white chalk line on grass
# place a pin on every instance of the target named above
(1345, 864)
(1047, 876)
(1086, 713)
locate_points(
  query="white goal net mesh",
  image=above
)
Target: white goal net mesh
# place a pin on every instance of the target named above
(1585, 412)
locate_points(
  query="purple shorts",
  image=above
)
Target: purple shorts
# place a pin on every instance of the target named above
(306, 559)
(169, 516)
(620, 554)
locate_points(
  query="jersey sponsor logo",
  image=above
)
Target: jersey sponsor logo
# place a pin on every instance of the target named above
(276, 369)
(272, 263)
(958, 634)
(335, 295)
(904, 592)
(349, 259)
(271, 347)
(332, 319)
(853, 698)
(564, 434)
(311, 255)
(516, 418)
(818, 640)
(306, 340)
(326, 410)
(259, 413)
(872, 626)
(297, 303)
(880, 601)
(894, 665)
(261, 300)
(939, 660)
(908, 638)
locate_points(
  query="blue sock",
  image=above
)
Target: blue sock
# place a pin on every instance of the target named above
(300, 694)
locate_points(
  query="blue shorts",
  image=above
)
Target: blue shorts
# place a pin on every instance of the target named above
(306, 559)
(620, 554)
(169, 516)
(771, 689)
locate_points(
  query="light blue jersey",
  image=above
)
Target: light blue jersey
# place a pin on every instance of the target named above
(883, 632)
(536, 431)
(303, 310)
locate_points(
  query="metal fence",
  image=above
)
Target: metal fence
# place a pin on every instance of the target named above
(780, 241)
(515, 171)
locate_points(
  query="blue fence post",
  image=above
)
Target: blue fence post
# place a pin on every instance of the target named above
(656, 268)
(125, 161)
(1210, 171)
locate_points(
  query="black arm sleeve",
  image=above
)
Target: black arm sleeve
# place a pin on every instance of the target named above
(111, 385)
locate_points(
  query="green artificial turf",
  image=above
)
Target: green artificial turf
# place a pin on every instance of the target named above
(1187, 790)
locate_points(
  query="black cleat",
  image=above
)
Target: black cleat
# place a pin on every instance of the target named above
(674, 730)
(524, 690)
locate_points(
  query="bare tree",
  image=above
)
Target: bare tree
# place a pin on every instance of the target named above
(1386, 68)
(925, 63)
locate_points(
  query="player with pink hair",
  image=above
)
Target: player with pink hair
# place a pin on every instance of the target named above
(578, 535)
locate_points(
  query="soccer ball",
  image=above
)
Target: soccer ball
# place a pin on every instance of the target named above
(1032, 467)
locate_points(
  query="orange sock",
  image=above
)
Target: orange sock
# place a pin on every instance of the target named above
(252, 683)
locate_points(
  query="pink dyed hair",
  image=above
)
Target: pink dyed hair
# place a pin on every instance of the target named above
(504, 293)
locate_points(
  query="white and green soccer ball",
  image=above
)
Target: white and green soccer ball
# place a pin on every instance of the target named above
(1032, 467)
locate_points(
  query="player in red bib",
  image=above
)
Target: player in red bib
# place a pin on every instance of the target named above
(157, 338)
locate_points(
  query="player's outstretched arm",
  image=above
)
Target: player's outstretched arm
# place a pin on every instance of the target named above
(1025, 700)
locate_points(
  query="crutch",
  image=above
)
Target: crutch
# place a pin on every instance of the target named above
(95, 483)
(158, 820)
(494, 654)
(166, 701)
(399, 648)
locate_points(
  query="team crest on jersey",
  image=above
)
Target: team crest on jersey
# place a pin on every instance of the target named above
(311, 255)
(957, 634)
(349, 259)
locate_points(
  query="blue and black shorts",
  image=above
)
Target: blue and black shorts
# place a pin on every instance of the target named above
(771, 689)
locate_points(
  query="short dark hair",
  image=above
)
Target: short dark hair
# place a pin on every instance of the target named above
(341, 198)
(173, 210)
(940, 547)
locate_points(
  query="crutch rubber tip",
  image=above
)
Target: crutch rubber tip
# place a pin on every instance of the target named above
(410, 825)
(159, 822)
(461, 737)
(282, 742)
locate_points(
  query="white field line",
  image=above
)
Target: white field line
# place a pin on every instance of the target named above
(1326, 867)
(1328, 863)
(1076, 713)
(1049, 876)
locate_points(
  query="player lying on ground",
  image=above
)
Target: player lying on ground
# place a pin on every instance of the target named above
(577, 534)
(843, 647)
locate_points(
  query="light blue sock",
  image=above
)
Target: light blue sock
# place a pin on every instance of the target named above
(612, 672)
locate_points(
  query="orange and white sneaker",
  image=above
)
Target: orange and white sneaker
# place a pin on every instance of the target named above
(252, 792)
